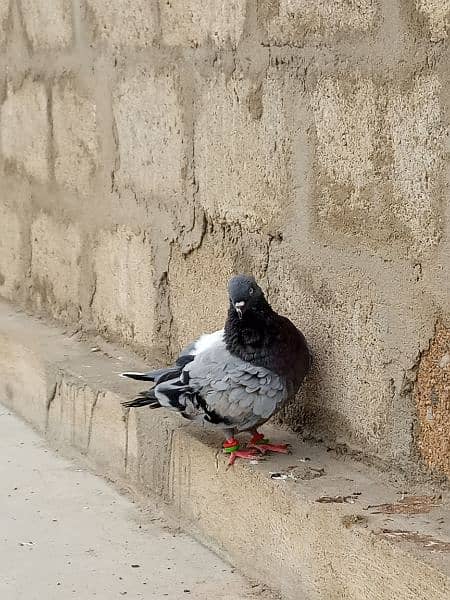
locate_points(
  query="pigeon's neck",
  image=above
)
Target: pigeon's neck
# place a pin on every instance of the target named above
(248, 338)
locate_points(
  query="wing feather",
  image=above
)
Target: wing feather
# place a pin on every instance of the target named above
(238, 393)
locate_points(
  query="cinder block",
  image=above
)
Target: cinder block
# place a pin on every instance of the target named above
(242, 151)
(55, 266)
(75, 138)
(125, 300)
(198, 280)
(438, 15)
(48, 24)
(198, 284)
(364, 343)
(295, 20)
(25, 128)
(345, 392)
(379, 155)
(124, 23)
(13, 261)
(415, 124)
(4, 12)
(151, 136)
(193, 22)
(349, 192)
(346, 122)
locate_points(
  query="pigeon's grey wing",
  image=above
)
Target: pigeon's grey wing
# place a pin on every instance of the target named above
(204, 342)
(188, 353)
(234, 393)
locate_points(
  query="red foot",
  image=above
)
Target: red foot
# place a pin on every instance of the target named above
(263, 448)
(248, 454)
(258, 438)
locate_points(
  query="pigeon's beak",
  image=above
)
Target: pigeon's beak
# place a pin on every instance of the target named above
(239, 307)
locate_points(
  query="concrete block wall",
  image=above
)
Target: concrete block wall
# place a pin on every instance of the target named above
(148, 150)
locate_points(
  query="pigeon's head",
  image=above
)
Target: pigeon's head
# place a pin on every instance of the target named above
(244, 293)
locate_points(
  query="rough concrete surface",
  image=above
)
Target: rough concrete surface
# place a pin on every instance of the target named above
(150, 149)
(12, 263)
(124, 298)
(25, 128)
(4, 12)
(332, 529)
(151, 135)
(122, 23)
(403, 160)
(197, 300)
(438, 13)
(290, 21)
(241, 144)
(56, 249)
(65, 533)
(76, 145)
(47, 25)
(193, 22)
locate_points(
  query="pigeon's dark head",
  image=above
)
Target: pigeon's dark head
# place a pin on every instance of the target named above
(245, 294)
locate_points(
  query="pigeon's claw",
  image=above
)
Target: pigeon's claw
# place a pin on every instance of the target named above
(260, 443)
(248, 454)
(263, 448)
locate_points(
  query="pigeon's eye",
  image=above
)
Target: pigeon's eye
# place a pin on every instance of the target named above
(250, 291)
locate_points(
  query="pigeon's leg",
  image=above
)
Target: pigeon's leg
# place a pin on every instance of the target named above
(231, 447)
(231, 444)
(257, 438)
(261, 444)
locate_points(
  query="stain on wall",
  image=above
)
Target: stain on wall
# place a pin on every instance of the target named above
(433, 402)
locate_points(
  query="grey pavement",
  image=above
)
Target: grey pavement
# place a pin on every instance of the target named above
(66, 533)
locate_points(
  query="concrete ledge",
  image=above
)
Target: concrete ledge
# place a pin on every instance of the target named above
(272, 530)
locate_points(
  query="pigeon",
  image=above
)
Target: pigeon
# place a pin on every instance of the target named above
(234, 379)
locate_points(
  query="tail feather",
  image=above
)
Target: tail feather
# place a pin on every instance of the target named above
(150, 376)
(156, 375)
(146, 398)
(170, 389)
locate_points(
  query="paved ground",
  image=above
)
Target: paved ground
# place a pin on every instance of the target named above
(65, 533)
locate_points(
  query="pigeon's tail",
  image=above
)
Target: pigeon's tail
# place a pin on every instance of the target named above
(146, 398)
(151, 375)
